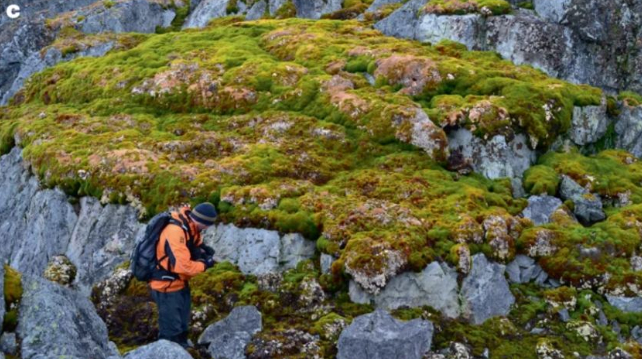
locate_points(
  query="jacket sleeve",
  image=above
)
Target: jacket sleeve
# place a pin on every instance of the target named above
(179, 255)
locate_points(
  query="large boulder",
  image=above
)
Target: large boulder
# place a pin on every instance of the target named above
(629, 129)
(485, 292)
(54, 321)
(380, 336)
(228, 338)
(587, 206)
(161, 349)
(540, 208)
(495, 158)
(258, 251)
(463, 29)
(435, 286)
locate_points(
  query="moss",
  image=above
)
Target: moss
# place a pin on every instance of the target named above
(12, 297)
(630, 98)
(461, 7)
(541, 180)
(526, 5)
(251, 119)
(108, 4)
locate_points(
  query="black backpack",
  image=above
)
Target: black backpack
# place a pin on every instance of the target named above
(143, 259)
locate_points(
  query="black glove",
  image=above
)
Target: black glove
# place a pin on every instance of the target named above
(208, 250)
(209, 262)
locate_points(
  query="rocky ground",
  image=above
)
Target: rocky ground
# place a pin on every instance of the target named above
(467, 186)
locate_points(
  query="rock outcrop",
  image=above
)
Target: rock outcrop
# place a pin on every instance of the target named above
(44, 224)
(258, 251)
(540, 208)
(98, 237)
(228, 338)
(485, 292)
(629, 129)
(580, 41)
(161, 349)
(22, 41)
(626, 304)
(435, 286)
(55, 321)
(380, 336)
(587, 205)
(496, 158)
(207, 10)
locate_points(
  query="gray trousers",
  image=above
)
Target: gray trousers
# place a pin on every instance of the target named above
(174, 311)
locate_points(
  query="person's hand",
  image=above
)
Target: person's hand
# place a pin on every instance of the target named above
(208, 250)
(209, 262)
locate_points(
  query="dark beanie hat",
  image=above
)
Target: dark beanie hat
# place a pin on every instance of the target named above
(204, 213)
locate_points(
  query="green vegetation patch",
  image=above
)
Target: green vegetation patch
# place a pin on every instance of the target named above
(462, 7)
(276, 123)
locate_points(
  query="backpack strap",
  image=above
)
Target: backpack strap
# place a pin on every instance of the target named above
(166, 274)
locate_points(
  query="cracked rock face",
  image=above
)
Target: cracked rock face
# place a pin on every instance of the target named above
(435, 286)
(592, 42)
(378, 335)
(540, 208)
(56, 321)
(229, 337)
(496, 158)
(629, 129)
(485, 292)
(258, 251)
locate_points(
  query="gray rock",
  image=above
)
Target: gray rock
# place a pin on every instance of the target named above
(258, 251)
(435, 286)
(161, 349)
(564, 315)
(2, 302)
(228, 338)
(464, 29)
(540, 208)
(36, 62)
(103, 239)
(8, 343)
(524, 269)
(403, 22)
(380, 336)
(626, 304)
(127, 16)
(55, 321)
(50, 221)
(45, 225)
(314, 9)
(496, 158)
(587, 206)
(575, 40)
(629, 130)
(206, 11)
(326, 261)
(589, 124)
(485, 292)
(552, 10)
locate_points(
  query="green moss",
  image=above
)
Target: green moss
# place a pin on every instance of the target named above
(461, 7)
(541, 180)
(631, 98)
(12, 297)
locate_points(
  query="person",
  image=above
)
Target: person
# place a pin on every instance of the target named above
(181, 255)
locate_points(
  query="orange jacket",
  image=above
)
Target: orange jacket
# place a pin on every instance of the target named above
(177, 258)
